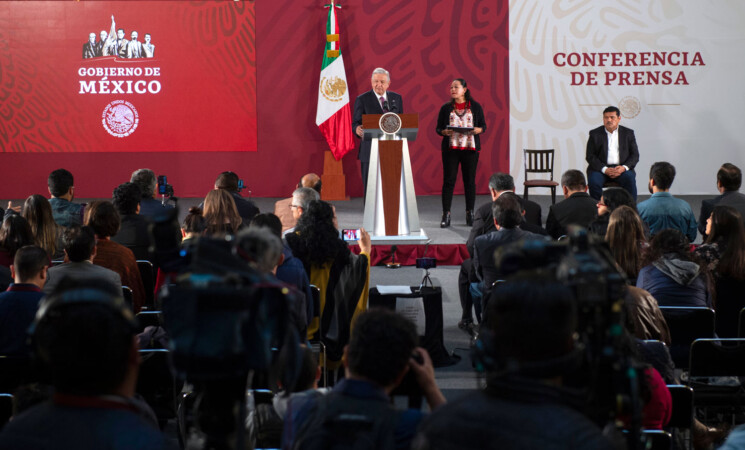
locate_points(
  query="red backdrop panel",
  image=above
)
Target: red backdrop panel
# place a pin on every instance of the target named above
(423, 43)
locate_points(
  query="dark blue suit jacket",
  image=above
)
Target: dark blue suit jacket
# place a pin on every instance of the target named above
(368, 103)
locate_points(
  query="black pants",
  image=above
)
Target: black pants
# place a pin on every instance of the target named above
(465, 277)
(468, 160)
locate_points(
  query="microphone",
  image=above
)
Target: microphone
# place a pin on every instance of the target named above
(385, 106)
(393, 104)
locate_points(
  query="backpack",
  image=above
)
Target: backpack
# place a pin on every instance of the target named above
(339, 422)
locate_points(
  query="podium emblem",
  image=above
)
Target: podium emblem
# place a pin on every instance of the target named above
(390, 123)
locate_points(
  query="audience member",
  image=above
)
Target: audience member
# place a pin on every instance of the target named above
(283, 208)
(662, 210)
(19, 303)
(625, 238)
(611, 199)
(526, 348)
(506, 211)
(79, 245)
(133, 232)
(378, 356)
(724, 255)
(62, 189)
(38, 213)
(147, 182)
(262, 250)
(577, 208)
(229, 182)
(220, 214)
(85, 338)
(672, 274)
(729, 180)
(483, 223)
(342, 277)
(193, 226)
(103, 218)
(301, 198)
(15, 232)
(291, 270)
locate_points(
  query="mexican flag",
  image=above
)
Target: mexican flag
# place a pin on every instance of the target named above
(333, 115)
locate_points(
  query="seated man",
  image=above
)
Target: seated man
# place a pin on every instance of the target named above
(133, 232)
(85, 339)
(507, 217)
(19, 303)
(611, 155)
(662, 210)
(526, 349)
(147, 182)
(62, 190)
(283, 208)
(378, 356)
(577, 208)
(80, 248)
(301, 198)
(729, 180)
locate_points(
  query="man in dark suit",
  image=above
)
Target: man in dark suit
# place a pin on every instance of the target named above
(611, 155)
(507, 212)
(729, 180)
(230, 182)
(376, 101)
(577, 208)
(89, 48)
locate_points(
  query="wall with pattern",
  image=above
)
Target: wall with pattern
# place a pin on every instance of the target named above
(423, 43)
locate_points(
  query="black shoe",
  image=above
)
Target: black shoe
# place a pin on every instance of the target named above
(445, 222)
(469, 217)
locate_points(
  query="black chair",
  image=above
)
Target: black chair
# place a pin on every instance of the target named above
(147, 273)
(657, 440)
(717, 358)
(687, 324)
(539, 161)
(148, 318)
(157, 384)
(15, 371)
(128, 299)
(6, 409)
(682, 414)
(741, 324)
(730, 301)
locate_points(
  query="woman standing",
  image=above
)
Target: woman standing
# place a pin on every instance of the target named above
(460, 122)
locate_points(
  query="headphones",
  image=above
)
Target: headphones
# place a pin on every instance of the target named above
(486, 360)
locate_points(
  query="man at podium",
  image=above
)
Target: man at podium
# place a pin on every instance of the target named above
(379, 100)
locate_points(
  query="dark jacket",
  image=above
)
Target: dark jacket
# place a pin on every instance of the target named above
(649, 323)
(674, 282)
(368, 103)
(134, 235)
(597, 148)
(578, 209)
(150, 207)
(66, 213)
(484, 247)
(18, 307)
(728, 198)
(443, 120)
(483, 222)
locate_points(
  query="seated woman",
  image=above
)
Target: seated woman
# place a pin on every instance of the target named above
(724, 253)
(220, 214)
(15, 232)
(38, 213)
(192, 226)
(342, 277)
(103, 218)
(625, 238)
(612, 198)
(672, 274)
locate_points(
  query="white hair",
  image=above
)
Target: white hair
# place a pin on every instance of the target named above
(381, 71)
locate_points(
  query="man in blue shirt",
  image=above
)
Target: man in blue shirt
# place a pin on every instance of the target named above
(662, 210)
(19, 303)
(380, 353)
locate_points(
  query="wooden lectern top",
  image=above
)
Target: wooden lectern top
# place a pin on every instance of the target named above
(409, 126)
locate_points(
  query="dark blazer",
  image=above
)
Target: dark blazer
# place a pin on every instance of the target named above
(485, 246)
(729, 198)
(134, 235)
(483, 222)
(246, 208)
(368, 103)
(597, 148)
(579, 209)
(80, 270)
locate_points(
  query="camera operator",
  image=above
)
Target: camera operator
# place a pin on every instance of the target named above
(526, 347)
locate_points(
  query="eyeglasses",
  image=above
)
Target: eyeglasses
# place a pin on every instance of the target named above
(601, 204)
(295, 206)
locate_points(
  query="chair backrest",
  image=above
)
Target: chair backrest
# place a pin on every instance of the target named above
(148, 318)
(657, 440)
(157, 384)
(6, 408)
(730, 300)
(686, 325)
(538, 161)
(717, 358)
(682, 414)
(128, 299)
(15, 371)
(147, 274)
(741, 324)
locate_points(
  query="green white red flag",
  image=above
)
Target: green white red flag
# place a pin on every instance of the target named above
(333, 115)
